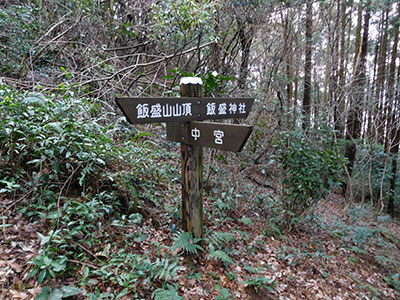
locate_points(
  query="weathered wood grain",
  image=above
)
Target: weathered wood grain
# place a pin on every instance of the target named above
(192, 177)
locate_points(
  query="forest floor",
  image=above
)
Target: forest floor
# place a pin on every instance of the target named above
(335, 259)
(337, 251)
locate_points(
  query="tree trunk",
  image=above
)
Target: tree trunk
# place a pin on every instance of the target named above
(308, 67)
(395, 156)
(245, 39)
(296, 81)
(358, 93)
(333, 83)
(289, 57)
(393, 140)
(288, 50)
(216, 46)
(391, 87)
(339, 113)
(328, 67)
(380, 114)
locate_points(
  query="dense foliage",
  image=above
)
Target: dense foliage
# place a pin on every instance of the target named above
(51, 145)
(310, 171)
(65, 160)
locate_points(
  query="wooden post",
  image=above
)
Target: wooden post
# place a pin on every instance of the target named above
(192, 171)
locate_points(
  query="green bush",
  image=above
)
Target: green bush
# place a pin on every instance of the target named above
(20, 26)
(372, 172)
(73, 162)
(51, 146)
(311, 168)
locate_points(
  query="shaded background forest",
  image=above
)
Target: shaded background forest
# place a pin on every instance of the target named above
(328, 69)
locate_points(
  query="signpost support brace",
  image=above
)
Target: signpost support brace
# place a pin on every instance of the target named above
(192, 174)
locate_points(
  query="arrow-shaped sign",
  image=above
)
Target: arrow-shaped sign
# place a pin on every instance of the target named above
(229, 137)
(184, 109)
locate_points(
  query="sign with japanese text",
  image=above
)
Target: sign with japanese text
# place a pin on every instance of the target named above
(183, 117)
(228, 137)
(184, 109)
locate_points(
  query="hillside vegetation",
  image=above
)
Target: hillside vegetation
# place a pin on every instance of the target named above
(90, 205)
(91, 208)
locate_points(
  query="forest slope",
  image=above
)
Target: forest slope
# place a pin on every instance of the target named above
(91, 209)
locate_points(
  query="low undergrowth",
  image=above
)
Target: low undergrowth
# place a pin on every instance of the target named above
(102, 198)
(89, 178)
(368, 234)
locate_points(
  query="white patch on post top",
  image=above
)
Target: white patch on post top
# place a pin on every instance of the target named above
(191, 80)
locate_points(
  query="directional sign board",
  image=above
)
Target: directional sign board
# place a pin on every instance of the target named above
(183, 116)
(228, 137)
(184, 109)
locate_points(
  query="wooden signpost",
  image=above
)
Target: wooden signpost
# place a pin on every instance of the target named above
(183, 116)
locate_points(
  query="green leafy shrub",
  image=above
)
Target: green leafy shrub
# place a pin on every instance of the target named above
(20, 25)
(79, 229)
(164, 269)
(213, 83)
(372, 172)
(311, 168)
(51, 146)
(69, 157)
(220, 255)
(48, 265)
(127, 269)
(393, 280)
(183, 19)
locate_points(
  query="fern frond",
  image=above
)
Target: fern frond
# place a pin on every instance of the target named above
(164, 269)
(220, 255)
(169, 294)
(186, 242)
(220, 238)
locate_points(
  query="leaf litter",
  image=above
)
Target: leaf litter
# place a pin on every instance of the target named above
(311, 262)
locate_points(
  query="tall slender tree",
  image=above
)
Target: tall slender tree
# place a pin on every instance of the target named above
(245, 38)
(339, 108)
(380, 100)
(308, 66)
(393, 137)
(356, 98)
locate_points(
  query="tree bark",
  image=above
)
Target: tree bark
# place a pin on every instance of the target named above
(393, 180)
(216, 46)
(339, 109)
(392, 143)
(357, 96)
(245, 39)
(391, 87)
(380, 113)
(308, 67)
